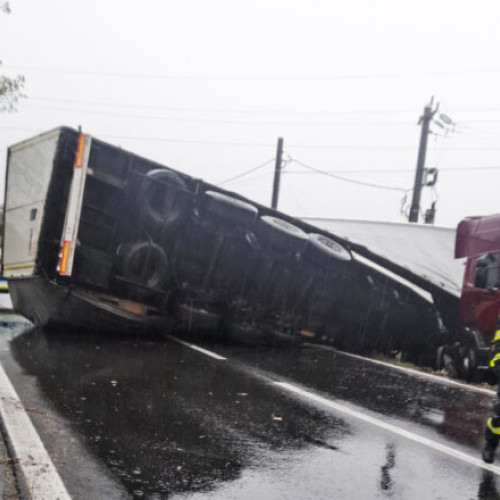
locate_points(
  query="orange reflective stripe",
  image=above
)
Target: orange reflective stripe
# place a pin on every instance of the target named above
(64, 257)
(80, 151)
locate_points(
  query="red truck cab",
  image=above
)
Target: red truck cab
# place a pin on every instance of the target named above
(478, 240)
(480, 299)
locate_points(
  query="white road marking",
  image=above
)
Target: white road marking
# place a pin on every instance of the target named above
(464, 457)
(410, 371)
(196, 348)
(32, 460)
(389, 427)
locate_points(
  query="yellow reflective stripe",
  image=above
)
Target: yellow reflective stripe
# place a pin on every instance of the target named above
(497, 336)
(494, 360)
(495, 430)
(15, 268)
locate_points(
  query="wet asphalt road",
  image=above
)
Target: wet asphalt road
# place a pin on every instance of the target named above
(135, 418)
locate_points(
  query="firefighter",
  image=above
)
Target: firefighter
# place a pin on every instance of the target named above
(492, 431)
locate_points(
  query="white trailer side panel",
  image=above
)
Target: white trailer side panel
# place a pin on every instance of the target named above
(425, 250)
(29, 171)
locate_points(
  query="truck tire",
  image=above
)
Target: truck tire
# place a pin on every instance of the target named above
(325, 251)
(279, 236)
(144, 263)
(439, 362)
(446, 360)
(468, 363)
(227, 209)
(163, 200)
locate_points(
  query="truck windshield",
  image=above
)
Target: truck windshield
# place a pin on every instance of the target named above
(488, 271)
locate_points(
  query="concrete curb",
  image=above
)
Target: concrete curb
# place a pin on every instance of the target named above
(37, 477)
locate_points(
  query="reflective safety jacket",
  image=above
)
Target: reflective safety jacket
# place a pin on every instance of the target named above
(495, 355)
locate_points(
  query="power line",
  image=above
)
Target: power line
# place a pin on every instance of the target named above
(248, 180)
(352, 181)
(253, 144)
(385, 148)
(212, 120)
(246, 110)
(291, 190)
(250, 77)
(479, 120)
(483, 135)
(157, 139)
(394, 170)
(246, 172)
(225, 110)
(439, 151)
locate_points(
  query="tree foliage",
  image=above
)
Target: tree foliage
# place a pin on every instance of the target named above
(10, 87)
(10, 92)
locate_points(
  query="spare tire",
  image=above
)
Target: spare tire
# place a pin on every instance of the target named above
(278, 235)
(227, 209)
(144, 263)
(163, 199)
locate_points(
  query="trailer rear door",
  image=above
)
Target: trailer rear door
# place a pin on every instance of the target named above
(29, 169)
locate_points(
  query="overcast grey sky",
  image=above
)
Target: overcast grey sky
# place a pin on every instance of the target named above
(207, 87)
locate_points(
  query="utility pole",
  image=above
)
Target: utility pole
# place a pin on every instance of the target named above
(277, 173)
(425, 121)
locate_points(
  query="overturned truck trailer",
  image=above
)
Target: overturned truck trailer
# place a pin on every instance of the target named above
(99, 238)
